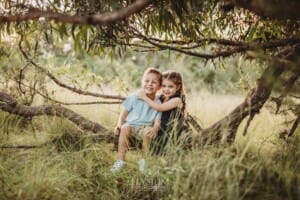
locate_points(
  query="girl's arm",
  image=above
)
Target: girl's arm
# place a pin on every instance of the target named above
(172, 103)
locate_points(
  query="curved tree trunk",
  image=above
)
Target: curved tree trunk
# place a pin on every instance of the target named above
(224, 131)
(10, 104)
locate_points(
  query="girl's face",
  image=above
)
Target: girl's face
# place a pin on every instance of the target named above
(169, 88)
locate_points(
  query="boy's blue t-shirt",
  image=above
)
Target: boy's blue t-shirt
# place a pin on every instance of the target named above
(139, 112)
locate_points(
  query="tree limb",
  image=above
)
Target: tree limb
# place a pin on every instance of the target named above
(280, 9)
(236, 48)
(286, 134)
(224, 130)
(74, 103)
(11, 105)
(294, 127)
(105, 18)
(61, 84)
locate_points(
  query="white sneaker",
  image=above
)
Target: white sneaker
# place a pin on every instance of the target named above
(142, 165)
(117, 166)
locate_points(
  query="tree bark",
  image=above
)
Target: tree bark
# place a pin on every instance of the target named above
(10, 105)
(224, 131)
(280, 9)
(104, 18)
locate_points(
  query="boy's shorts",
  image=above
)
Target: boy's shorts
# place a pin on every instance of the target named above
(137, 132)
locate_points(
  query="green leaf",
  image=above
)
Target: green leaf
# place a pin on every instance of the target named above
(77, 43)
(62, 31)
(8, 28)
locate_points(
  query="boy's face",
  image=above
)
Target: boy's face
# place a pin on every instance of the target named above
(151, 83)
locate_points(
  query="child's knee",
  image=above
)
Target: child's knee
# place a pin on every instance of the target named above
(125, 130)
(147, 137)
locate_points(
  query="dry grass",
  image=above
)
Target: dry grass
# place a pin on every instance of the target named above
(262, 167)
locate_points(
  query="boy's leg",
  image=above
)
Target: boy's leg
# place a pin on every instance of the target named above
(147, 138)
(146, 141)
(123, 141)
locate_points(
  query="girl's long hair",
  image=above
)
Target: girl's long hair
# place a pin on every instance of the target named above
(176, 78)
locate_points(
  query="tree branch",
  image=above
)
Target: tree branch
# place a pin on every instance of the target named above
(282, 9)
(105, 18)
(224, 130)
(76, 103)
(59, 83)
(294, 127)
(286, 134)
(10, 105)
(238, 47)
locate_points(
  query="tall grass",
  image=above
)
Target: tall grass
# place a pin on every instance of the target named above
(69, 164)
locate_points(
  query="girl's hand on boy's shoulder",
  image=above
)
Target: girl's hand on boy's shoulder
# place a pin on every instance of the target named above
(141, 94)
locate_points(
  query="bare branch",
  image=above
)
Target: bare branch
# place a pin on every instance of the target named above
(20, 147)
(286, 134)
(192, 121)
(294, 126)
(238, 46)
(251, 117)
(79, 103)
(282, 9)
(200, 41)
(52, 77)
(11, 105)
(105, 18)
(73, 103)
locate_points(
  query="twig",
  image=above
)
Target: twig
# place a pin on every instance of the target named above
(73, 89)
(286, 134)
(21, 147)
(74, 103)
(241, 48)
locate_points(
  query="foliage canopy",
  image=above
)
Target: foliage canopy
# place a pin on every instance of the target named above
(207, 29)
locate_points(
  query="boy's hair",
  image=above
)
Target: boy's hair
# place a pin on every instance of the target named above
(154, 71)
(176, 77)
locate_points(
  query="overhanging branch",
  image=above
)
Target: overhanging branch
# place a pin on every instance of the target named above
(232, 49)
(61, 84)
(74, 103)
(280, 9)
(105, 18)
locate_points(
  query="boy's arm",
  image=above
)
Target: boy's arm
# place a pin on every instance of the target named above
(121, 120)
(156, 125)
(152, 131)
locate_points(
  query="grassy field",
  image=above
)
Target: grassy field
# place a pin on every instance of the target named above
(67, 163)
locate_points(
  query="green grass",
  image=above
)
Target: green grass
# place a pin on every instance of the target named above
(69, 165)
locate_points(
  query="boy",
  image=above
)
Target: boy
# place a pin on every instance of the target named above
(138, 117)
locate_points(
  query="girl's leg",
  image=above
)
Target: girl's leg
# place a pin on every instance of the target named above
(123, 141)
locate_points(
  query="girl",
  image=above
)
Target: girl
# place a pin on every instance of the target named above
(172, 108)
